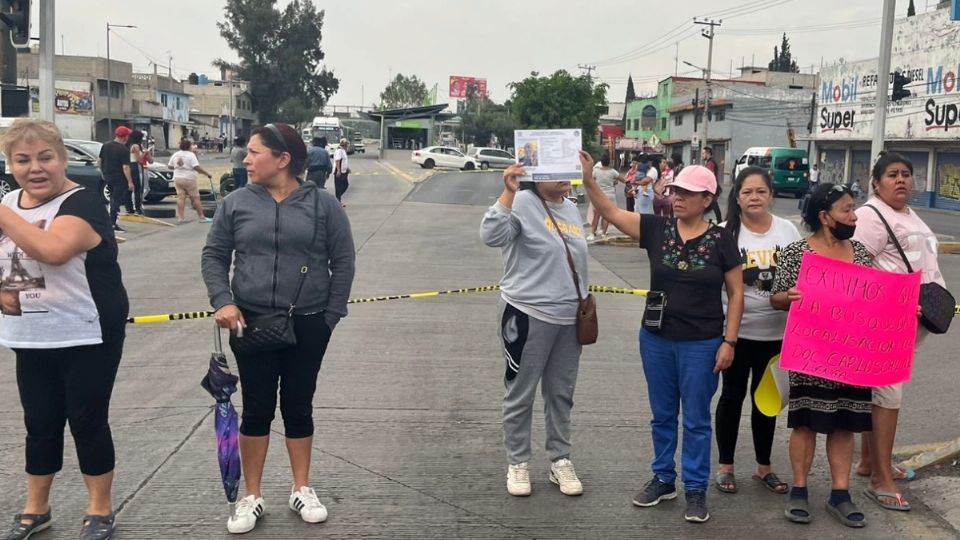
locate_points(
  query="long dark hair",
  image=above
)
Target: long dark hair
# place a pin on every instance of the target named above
(733, 208)
(715, 205)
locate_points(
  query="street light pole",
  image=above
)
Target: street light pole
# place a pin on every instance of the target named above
(883, 79)
(109, 93)
(48, 44)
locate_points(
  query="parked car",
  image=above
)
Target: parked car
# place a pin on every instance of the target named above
(789, 167)
(159, 184)
(493, 157)
(442, 156)
(83, 172)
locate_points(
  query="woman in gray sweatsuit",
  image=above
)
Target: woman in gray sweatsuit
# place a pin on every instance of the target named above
(537, 319)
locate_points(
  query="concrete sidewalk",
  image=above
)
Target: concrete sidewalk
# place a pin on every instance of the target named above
(408, 441)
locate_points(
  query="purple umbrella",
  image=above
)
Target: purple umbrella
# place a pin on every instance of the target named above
(221, 384)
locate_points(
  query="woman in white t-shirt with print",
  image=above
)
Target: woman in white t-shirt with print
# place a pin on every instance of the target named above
(760, 236)
(185, 167)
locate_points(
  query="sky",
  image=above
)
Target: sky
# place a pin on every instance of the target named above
(368, 41)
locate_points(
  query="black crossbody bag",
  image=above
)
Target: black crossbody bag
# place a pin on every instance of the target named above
(937, 305)
(274, 331)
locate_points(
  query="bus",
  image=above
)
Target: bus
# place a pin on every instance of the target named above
(329, 127)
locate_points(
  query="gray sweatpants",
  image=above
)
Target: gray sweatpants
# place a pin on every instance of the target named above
(537, 352)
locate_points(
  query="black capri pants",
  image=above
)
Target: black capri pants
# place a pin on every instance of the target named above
(69, 384)
(294, 370)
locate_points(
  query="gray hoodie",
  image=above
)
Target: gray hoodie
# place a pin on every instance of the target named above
(536, 275)
(269, 242)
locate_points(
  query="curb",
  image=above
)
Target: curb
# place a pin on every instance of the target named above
(616, 241)
(952, 248)
(943, 451)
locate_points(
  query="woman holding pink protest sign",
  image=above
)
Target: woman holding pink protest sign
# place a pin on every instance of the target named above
(820, 405)
(892, 180)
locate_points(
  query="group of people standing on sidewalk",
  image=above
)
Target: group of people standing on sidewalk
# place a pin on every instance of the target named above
(719, 293)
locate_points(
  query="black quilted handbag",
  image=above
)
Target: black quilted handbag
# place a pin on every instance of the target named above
(937, 305)
(273, 331)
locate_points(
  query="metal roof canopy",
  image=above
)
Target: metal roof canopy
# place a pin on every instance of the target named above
(410, 113)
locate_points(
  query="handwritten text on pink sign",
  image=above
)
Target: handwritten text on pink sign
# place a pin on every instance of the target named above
(854, 324)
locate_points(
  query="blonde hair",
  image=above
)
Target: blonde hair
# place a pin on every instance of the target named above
(30, 130)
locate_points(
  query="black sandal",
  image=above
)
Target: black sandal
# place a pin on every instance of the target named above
(844, 510)
(772, 482)
(798, 505)
(22, 531)
(726, 483)
(97, 527)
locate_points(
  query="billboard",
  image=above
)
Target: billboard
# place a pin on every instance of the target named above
(460, 84)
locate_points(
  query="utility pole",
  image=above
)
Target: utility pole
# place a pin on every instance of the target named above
(813, 106)
(588, 69)
(48, 45)
(883, 80)
(110, 84)
(8, 57)
(676, 58)
(707, 33)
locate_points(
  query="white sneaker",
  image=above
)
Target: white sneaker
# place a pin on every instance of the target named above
(518, 480)
(306, 503)
(248, 510)
(563, 474)
(591, 237)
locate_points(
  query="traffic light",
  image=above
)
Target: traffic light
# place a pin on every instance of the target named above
(16, 15)
(899, 81)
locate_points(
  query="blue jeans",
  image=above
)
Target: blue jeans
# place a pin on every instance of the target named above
(680, 373)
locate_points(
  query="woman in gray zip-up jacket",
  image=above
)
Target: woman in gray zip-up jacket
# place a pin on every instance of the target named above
(270, 229)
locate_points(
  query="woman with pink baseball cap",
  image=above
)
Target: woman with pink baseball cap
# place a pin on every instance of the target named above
(684, 340)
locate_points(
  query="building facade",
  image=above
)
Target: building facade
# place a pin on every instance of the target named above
(211, 111)
(166, 107)
(925, 126)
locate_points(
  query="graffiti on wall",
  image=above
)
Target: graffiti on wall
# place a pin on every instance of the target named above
(949, 181)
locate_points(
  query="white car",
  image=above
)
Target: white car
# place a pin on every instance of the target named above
(493, 158)
(443, 156)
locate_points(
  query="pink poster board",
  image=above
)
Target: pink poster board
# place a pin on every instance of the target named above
(854, 324)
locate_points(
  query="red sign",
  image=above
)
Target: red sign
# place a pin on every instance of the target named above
(459, 86)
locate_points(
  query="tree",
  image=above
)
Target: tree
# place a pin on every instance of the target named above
(295, 112)
(631, 95)
(483, 120)
(783, 59)
(403, 92)
(280, 53)
(559, 101)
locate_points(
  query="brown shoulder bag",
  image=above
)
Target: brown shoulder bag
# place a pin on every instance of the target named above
(587, 326)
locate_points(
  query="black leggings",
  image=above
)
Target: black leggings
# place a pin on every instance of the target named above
(295, 369)
(134, 201)
(340, 184)
(75, 384)
(750, 360)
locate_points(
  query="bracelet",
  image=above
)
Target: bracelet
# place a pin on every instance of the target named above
(731, 342)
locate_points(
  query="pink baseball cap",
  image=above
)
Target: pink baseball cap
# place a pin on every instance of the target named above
(697, 179)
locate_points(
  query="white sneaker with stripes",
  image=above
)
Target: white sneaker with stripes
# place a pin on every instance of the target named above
(248, 510)
(306, 503)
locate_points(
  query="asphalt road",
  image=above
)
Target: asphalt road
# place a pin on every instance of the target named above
(408, 441)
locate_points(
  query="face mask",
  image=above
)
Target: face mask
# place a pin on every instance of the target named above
(842, 231)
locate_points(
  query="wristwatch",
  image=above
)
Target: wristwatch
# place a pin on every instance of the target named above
(731, 342)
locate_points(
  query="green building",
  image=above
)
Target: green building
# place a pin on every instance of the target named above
(647, 117)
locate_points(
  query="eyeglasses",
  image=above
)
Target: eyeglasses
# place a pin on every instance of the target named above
(276, 133)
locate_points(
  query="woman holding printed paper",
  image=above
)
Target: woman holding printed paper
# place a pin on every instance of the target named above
(819, 405)
(892, 188)
(760, 236)
(683, 343)
(545, 270)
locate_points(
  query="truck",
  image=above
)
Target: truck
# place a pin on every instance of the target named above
(329, 127)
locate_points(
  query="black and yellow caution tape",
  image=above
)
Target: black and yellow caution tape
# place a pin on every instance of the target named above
(190, 315)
